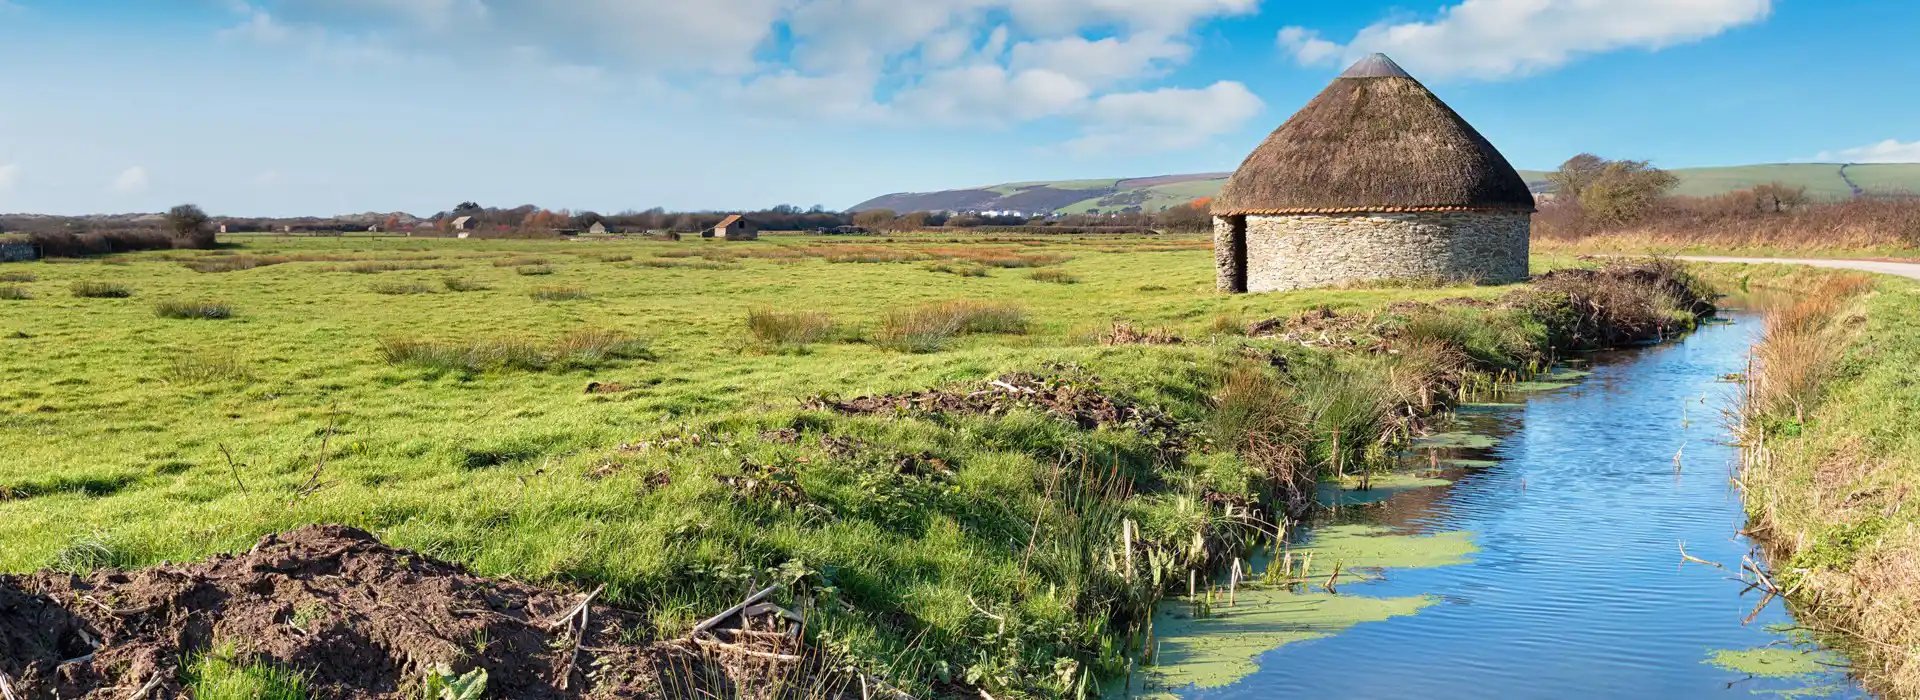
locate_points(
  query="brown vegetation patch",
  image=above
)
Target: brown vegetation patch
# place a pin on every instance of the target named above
(1125, 333)
(1068, 396)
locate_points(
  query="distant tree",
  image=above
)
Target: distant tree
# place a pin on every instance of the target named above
(190, 226)
(875, 219)
(467, 209)
(1625, 192)
(1193, 216)
(1576, 175)
(1776, 198)
(391, 224)
(586, 219)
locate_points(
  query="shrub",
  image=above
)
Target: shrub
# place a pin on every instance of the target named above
(12, 293)
(201, 310)
(18, 277)
(789, 328)
(463, 284)
(559, 294)
(65, 244)
(1054, 276)
(402, 288)
(928, 328)
(531, 270)
(92, 289)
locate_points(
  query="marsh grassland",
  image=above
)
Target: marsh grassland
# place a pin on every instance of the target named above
(683, 422)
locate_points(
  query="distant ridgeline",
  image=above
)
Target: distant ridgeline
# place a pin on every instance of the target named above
(1152, 194)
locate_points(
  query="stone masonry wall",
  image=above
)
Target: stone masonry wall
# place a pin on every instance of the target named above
(1228, 279)
(1304, 251)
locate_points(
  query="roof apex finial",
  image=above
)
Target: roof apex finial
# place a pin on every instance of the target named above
(1376, 66)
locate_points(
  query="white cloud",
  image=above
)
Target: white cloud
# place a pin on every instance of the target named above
(1500, 39)
(976, 62)
(1888, 151)
(131, 181)
(1307, 47)
(1165, 119)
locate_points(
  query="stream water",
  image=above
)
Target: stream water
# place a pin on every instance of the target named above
(1541, 559)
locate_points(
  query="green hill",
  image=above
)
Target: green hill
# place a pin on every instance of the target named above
(1823, 181)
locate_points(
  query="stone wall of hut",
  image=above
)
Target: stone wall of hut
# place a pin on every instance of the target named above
(1305, 251)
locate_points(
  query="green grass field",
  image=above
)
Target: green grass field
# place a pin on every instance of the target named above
(435, 393)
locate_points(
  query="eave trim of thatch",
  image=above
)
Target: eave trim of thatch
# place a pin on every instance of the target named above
(1373, 210)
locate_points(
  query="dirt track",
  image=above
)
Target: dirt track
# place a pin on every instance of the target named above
(1884, 267)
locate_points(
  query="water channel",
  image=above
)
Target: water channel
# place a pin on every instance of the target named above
(1541, 559)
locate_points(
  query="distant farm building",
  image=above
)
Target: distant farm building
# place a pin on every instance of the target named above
(1374, 179)
(465, 223)
(597, 228)
(732, 228)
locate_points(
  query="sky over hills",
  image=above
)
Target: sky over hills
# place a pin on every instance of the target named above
(279, 107)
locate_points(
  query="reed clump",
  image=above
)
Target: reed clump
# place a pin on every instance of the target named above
(14, 293)
(789, 329)
(580, 350)
(929, 328)
(193, 309)
(95, 289)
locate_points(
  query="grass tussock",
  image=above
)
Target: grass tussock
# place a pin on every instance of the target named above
(522, 262)
(14, 293)
(94, 289)
(193, 309)
(18, 277)
(559, 294)
(930, 328)
(1053, 276)
(681, 265)
(583, 350)
(207, 367)
(375, 267)
(1622, 303)
(464, 284)
(789, 329)
(403, 288)
(534, 270)
(959, 270)
(223, 674)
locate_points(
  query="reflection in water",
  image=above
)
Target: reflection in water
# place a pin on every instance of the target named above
(1552, 532)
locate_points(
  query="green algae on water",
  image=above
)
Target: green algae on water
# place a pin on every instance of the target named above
(1535, 387)
(1375, 547)
(1347, 492)
(1217, 651)
(1776, 662)
(1456, 441)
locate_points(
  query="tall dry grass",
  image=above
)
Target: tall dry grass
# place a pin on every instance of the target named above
(785, 329)
(1859, 224)
(1799, 350)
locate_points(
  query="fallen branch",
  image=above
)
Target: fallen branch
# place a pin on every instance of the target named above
(148, 688)
(6, 687)
(319, 467)
(710, 622)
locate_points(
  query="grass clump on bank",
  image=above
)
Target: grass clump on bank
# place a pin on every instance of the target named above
(14, 293)
(559, 294)
(1053, 276)
(1832, 452)
(193, 310)
(93, 289)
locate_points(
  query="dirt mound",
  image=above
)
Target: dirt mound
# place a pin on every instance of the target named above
(355, 618)
(1079, 400)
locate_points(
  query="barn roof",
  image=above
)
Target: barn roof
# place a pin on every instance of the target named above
(1376, 140)
(729, 221)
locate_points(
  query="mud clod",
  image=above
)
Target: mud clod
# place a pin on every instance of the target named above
(354, 617)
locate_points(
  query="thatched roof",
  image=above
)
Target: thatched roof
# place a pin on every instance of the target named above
(1376, 140)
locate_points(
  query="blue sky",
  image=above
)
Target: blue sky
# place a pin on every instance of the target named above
(284, 107)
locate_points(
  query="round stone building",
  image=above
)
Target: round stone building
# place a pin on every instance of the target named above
(1374, 179)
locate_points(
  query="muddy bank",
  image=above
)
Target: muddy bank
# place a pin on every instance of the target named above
(353, 618)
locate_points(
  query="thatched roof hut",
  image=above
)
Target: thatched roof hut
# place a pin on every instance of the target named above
(1376, 178)
(1376, 140)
